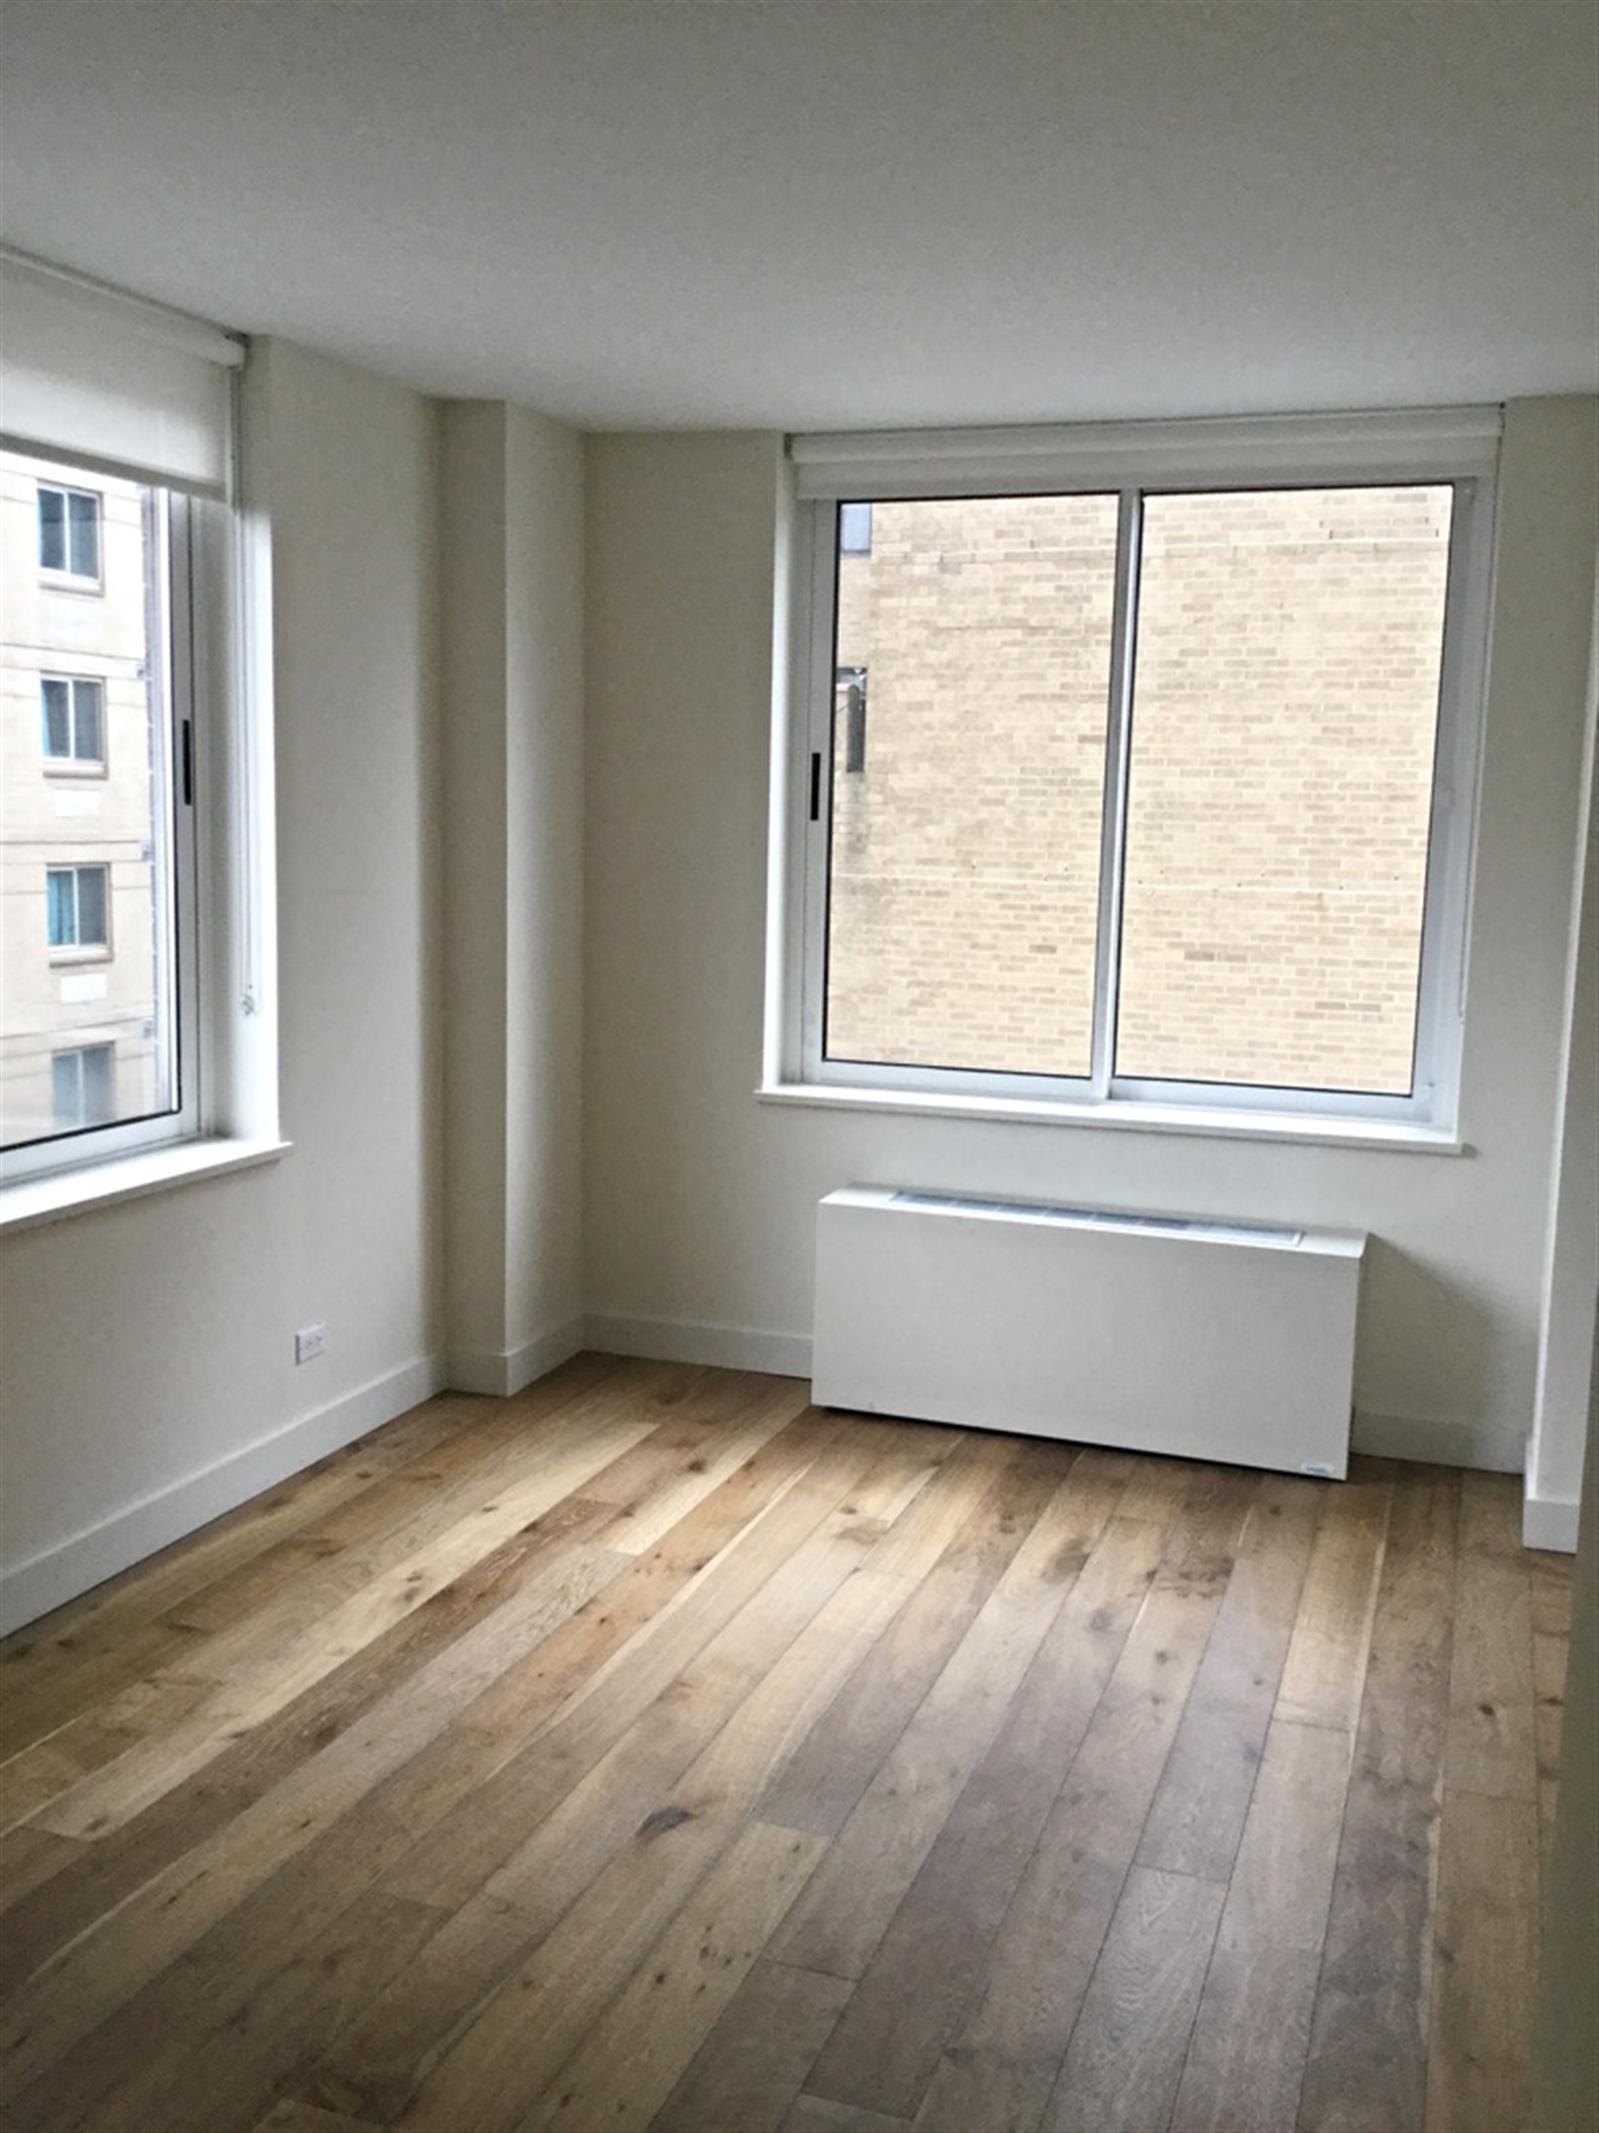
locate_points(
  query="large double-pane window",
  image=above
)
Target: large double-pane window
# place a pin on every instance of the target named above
(1141, 791)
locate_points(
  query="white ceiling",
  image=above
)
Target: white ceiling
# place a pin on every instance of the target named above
(832, 213)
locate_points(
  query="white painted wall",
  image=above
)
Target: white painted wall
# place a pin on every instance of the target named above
(1571, 1263)
(700, 1202)
(544, 959)
(513, 794)
(146, 1372)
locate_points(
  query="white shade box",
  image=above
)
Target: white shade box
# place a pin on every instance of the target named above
(1175, 1334)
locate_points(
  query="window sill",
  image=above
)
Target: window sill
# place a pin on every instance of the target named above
(1129, 1118)
(29, 1201)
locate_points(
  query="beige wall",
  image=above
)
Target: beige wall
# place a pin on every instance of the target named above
(700, 1201)
(513, 712)
(147, 1342)
(61, 812)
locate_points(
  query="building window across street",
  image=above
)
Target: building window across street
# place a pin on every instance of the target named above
(78, 902)
(72, 709)
(69, 532)
(83, 1087)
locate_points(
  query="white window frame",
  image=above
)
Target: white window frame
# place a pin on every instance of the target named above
(1458, 447)
(67, 579)
(72, 764)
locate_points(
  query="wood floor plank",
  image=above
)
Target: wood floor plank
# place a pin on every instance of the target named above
(1113, 1778)
(636, 2054)
(1197, 1818)
(1486, 1982)
(1252, 2032)
(632, 1797)
(1122, 2066)
(287, 2116)
(1367, 2066)
(749, 2070)
(1492, 1701)
(814, 2114)
(876, 1856)
(591, 1684)
(206, 2049)
(96, 1973)
(1325, 1669)
(30, 1857)
(504, 1602)
(248, 1694)
(997, 2075)
(1550, 1658)
(931, 1961)
(51, 1766)
(653, 1520)
(59, 1667)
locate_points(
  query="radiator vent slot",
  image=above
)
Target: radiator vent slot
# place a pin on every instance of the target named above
(1106, 1218)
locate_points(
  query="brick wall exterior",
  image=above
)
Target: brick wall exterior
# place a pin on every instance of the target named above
(1284, 716)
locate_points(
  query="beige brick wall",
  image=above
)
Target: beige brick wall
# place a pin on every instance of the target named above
(1283, 741)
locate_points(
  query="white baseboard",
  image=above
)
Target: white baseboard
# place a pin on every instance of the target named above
(692, 1340)
(502, 1371)
(1427, 1441)
(74, 1566)
(1550, 1522)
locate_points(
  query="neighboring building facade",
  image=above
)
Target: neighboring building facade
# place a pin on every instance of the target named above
(79, 891)
(1283, 739)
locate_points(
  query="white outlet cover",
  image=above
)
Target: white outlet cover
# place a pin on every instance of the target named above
(310, 1341)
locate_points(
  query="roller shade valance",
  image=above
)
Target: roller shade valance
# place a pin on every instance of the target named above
(111, 381)
(1416, 444)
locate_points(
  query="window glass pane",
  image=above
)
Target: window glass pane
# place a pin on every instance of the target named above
(52, 530)
(1284, 723)
(99, 1084)
(62, 893)
(66, 1090)
(100, 859)
(967, 800)
(92, 907)
(55, 702)
(87, 745)
(84, 524)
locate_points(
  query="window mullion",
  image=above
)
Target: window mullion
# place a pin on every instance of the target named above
(1113, 816)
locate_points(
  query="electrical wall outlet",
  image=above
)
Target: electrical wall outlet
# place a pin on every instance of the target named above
(310, 1341)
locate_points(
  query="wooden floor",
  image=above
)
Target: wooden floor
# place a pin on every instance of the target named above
(651, 1751)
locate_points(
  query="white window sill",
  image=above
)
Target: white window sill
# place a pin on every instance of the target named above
(29, 1201)
(1129, 1118)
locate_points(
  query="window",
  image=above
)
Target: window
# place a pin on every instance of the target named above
(69, 532)
(73, 719)
(116, 945)
(78, 906)
(1172, 732)
(137, 1010)
(83, 1087)
(854, 529)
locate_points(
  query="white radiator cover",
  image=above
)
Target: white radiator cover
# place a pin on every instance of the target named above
(1209, 1340)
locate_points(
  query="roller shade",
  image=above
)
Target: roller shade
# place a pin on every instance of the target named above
(111, 381)
(1417, 444)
